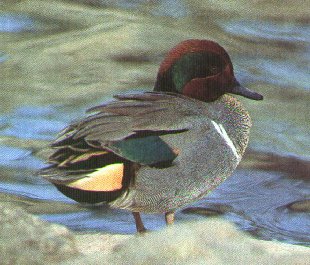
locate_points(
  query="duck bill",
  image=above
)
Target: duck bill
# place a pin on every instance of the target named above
(245, 92)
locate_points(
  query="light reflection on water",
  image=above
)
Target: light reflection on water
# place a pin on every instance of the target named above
(16, 23)
(283, 73)
(18, 158)
(257, 199)
(3, 57)
(286, 139)
(269, 30)
(37, 122)
(169, 8)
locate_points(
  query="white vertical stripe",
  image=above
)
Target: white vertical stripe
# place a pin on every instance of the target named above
(221, 130)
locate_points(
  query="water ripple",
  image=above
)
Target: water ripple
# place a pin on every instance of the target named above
(261, 207)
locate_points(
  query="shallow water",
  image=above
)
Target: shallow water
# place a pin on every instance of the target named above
(55, 66)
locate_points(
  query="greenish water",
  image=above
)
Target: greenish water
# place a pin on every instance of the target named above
(59, 58)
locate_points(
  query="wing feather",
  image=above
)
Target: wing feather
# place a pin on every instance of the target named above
(127, 129)
(129, 115)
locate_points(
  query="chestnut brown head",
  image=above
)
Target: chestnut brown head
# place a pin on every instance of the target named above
(200, 69)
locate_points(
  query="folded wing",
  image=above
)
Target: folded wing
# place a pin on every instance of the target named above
(104, 146)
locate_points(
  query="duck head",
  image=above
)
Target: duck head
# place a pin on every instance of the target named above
(200, 69)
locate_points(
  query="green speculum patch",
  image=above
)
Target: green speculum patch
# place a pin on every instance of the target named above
(149, 150)
(195, 65)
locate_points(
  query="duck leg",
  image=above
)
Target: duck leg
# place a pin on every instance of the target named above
(169, 217)
(139, 224)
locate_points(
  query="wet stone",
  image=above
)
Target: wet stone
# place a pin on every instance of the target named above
(207, 211)
(300, 206)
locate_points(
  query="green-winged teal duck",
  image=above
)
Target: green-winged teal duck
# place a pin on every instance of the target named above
(155, 152)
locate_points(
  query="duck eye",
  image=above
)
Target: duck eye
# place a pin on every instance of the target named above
(214, 70)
